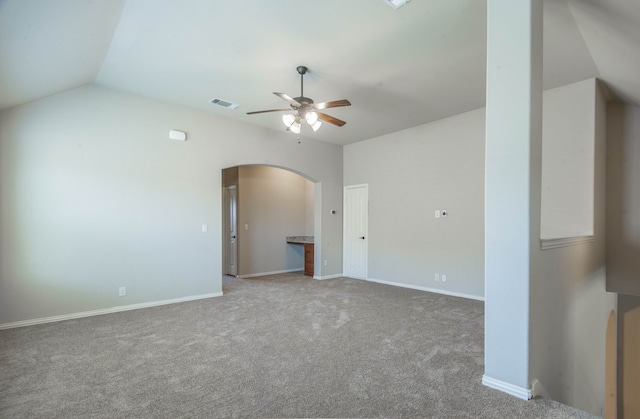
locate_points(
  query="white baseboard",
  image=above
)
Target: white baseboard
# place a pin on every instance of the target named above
(565, 241)
(517, 391)
(421, 288)
(328, 276)
(286, 271)
(116, 309)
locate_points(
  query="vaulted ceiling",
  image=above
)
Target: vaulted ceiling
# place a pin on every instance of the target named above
(399, 68)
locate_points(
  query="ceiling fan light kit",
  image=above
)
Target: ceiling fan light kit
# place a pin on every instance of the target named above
(305, 108)
(311, 118)
(315, 126)
(288, 119)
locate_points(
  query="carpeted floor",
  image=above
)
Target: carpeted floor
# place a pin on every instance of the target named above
(277, 346)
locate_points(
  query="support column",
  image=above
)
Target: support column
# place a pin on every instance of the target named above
(512, 187)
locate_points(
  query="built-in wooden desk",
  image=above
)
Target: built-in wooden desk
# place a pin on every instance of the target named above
(307, 242)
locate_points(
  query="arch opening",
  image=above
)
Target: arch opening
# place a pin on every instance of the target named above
(262, 206)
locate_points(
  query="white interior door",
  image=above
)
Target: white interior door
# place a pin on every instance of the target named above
(230, 230)
(356, 218)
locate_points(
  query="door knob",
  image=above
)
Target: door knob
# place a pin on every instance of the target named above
(233, 237)
(361, 237)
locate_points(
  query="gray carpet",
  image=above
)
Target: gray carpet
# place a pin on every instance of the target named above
(277, 346)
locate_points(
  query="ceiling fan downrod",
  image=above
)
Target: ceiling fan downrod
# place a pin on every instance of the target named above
(302, 70)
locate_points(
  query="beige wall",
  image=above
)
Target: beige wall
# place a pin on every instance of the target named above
(309, 199)
(570, 307)
(273, 204)
(629, 357)
(623, 246)
(94, 196)
(623, 199)
(412, 173)
(568, 161)
(230, 176)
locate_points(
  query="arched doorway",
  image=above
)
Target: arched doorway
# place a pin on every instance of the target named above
(262, 205)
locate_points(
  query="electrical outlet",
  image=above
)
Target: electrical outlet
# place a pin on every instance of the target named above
(325, 262)
(437, 277)
(122, 291)
(437, 214)
(444, 278)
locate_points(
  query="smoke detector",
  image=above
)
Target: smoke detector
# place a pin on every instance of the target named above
(396, 4)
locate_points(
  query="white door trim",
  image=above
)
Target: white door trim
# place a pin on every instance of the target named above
(365, 234)
(230, 247)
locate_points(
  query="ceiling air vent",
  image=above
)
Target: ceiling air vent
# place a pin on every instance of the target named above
(396, 3)
(223, 103)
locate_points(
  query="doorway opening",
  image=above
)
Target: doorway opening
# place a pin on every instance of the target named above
(262, 206)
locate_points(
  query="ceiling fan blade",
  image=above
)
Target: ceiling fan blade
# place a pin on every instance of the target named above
(288, 98)
(269, 110)
(332, 104)
(330, 119)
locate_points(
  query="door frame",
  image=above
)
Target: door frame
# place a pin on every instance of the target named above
(226, 215)
(366, 230)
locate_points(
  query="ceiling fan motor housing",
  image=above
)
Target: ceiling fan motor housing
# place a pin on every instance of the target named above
(306, 103)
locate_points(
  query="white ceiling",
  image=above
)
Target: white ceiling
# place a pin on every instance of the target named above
(399, 68)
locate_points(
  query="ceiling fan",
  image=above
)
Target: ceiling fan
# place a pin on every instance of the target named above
(304, 108)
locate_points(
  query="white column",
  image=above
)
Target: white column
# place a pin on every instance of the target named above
(512, 187)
